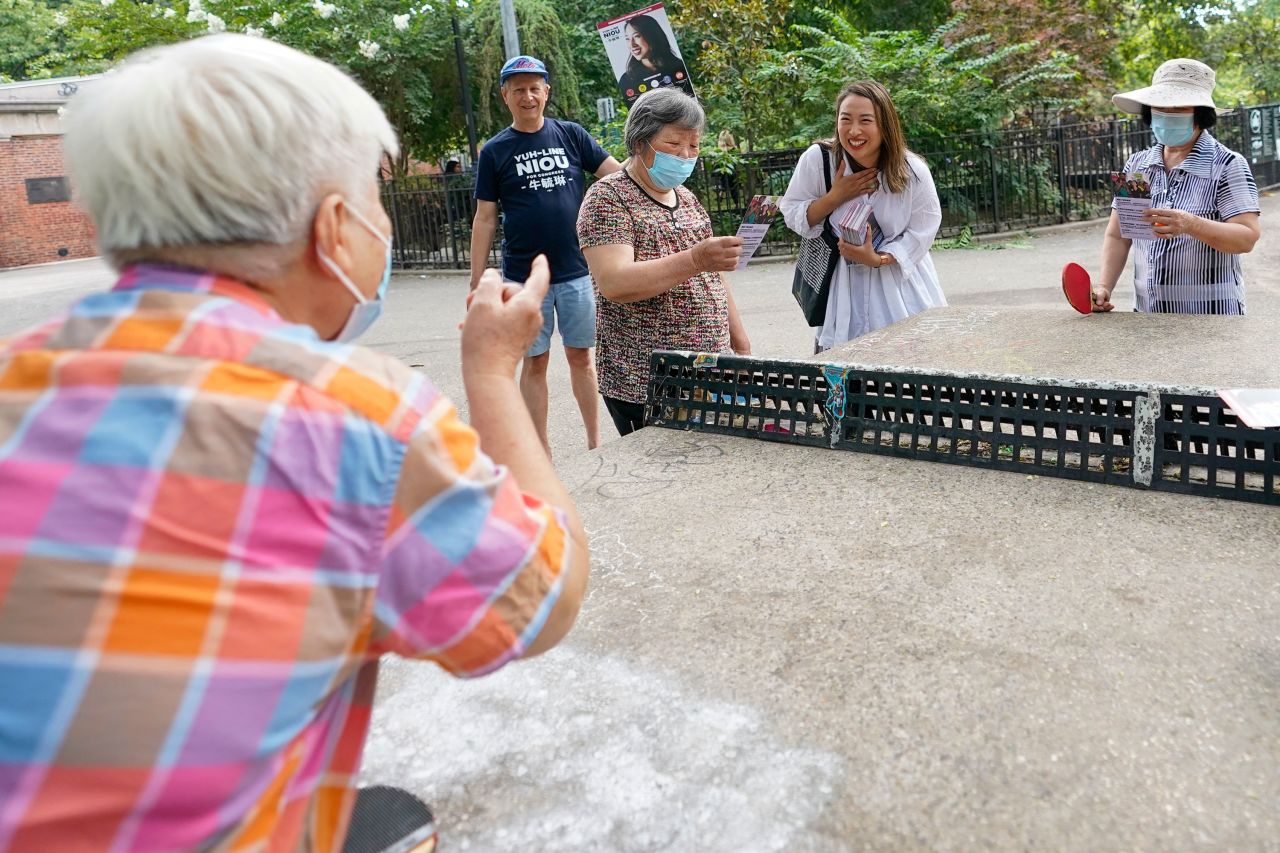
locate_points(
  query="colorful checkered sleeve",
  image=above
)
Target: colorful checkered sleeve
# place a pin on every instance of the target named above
(472, 567)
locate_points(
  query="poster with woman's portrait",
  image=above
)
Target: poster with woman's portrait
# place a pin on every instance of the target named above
(642, 48)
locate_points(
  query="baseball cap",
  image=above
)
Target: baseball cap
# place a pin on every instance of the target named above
(522, 65)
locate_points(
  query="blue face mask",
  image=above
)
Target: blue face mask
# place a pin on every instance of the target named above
(669, 171)
(1173, 129)
(366, 311)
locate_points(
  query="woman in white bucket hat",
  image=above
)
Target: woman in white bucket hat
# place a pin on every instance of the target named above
(1204, 212)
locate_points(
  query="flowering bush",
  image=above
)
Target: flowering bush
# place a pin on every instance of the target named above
(400, 52)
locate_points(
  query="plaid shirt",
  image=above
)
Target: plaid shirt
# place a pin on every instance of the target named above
(212, 523)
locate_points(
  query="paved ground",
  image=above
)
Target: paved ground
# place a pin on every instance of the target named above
(798, 649)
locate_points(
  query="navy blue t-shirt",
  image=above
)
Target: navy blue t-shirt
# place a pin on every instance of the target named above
(537, 180)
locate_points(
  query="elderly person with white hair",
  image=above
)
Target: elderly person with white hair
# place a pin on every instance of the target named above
(653, 259)
(1204, 212)
(216, 512)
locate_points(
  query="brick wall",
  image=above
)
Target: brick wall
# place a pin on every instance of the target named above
(36, 233)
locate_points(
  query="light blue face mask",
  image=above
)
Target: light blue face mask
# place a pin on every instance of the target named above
(366, 311)
(669, 171)
(1173, 129)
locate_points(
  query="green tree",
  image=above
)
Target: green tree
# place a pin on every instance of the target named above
(872, 15)
(1084, 29)
(1152, 31)
(941, 86)
(403, 57)
(736, 40)
(542, 34)
(28, 39)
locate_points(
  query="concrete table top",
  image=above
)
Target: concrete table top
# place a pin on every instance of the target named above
(794, 649)
(1163, 349)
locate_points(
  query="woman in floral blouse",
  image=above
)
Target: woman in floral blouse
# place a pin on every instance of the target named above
(657, 269)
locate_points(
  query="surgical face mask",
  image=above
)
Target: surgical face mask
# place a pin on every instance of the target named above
(365, 311)
(1173, 128)
(669, 171)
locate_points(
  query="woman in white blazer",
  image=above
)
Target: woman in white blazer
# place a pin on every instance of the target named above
(889, 275)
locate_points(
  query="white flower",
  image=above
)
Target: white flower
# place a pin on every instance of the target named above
(323, 9)
(369, 49)
(195, 12)
(216, 24)
(254, 31)
(107, 2)
(401, 22)
(169, 13)
(276, 19)
(60, 19)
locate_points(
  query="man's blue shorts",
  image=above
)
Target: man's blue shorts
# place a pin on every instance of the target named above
(574, 302)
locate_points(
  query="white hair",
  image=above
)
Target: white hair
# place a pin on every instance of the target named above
(217, 151)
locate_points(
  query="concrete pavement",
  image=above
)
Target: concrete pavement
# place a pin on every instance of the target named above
(790, 648)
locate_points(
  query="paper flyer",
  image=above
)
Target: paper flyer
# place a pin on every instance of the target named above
(642, 49)
(1132, 198)
(1257, 408)
(760, 214)
(853, 222)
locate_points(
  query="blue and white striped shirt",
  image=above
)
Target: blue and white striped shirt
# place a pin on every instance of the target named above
(1182, 275)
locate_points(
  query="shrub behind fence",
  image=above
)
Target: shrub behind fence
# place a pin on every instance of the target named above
(987, 182)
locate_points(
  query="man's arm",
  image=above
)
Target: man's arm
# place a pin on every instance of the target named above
(608, 167)
(483, 227)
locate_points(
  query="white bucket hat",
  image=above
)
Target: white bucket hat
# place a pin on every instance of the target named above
(1177, 83)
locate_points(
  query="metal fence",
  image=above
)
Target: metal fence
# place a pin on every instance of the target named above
(987, 182)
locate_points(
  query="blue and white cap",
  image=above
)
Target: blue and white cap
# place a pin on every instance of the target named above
(522, 65)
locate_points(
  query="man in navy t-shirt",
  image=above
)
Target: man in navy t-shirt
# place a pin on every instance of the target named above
(534, 170)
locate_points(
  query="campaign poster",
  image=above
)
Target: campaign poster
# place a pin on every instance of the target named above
(642, 49)
(1132, 201)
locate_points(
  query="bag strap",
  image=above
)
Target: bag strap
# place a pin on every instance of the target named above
(826, 179)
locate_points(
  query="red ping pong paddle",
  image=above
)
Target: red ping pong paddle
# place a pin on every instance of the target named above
(1077, 287)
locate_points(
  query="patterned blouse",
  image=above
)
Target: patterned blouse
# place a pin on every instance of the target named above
(693, 315)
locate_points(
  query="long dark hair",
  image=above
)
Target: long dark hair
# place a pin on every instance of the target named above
(659, 47)
(892, 161)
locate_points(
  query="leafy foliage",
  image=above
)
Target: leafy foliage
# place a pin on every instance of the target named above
(941, 85)
(403, 57)
(543, 35)
(767, 71)
(734, 39)
(1083, 30)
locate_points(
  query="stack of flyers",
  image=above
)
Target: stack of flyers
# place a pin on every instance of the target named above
(853, 222)
(760, 214)
(1132, 199)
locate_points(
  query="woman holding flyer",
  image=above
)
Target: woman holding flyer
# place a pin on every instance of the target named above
(1203, 210)
(657, 268)
(881, 199)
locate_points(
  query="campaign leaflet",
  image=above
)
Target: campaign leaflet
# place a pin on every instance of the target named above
(1257, 408)
(760, 214)
(853, 222)
(643, 51)
(1132, 198)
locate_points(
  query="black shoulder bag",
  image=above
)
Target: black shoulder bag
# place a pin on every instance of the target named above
(816, 264)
